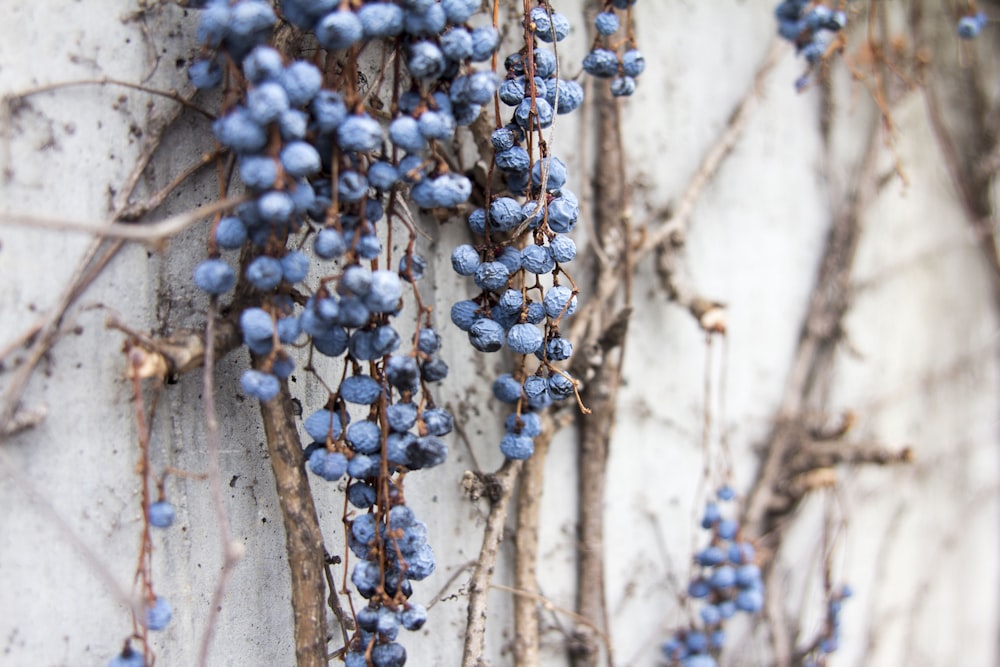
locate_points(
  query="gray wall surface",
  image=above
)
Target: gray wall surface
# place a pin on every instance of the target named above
(917, 364)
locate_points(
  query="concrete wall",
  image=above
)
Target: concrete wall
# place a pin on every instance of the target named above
(918, 366)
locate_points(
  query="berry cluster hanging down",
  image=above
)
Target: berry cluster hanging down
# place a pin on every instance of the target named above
(829, 639)
(728, 581)
(612, 57)
(812, 28)
(521, 247)
(321, 160)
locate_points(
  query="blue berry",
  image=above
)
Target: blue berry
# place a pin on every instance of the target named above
(563, 213)
(563, 249)
(511, 258)
(559, 302)
(205, 73)
(751, 601)
(536, 390)
(606, 23)
(264, 272)
(561, 386)
(491, 276)
(401, 416)
(556, 177)
(507, 389)
(161, 514)
(329, 243)
(622, 86)
(328, 111)
(294, 266)
(266, 102)
(524, 338)
(365, 437)
(710, 556)
(438, 125)
(549, 29)
(456, 44)
(260, 385)
(486, 335)
(413, 617)
(529, 423)
(127, 658)
(301, 81)
(331, 466)
(425, 21)
(261, 64)
(601, 63)
(633, 64)
(465, 260)
(258, 171)
(300, 159)
(256, 325)
(385, 293)
(464, 314)
(425, 60)
(528, 120)
(388, 655)
(460, 11)
(339, 30)
(473, 89)
(404, 131)
(485, 41)
(505, 214)
(518, 447)
(360, 389)
(159, 614)
(727, 529)
(239, 131)
(969, 27)
(381, 19)
(360, 133)
(230, 233)
(570, 96)
(214, 276)
(438, 421)
(361, 496)
(322, 424)
(426, 452)
(545, 63)
(513, 159)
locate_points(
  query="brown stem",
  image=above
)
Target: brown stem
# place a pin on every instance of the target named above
(602, 385)
(303, 537)
(529, 505)
(500, 487)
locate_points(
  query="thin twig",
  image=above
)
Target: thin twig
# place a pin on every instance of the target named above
(716, 155)
(150, 232)
(232, 550)
(529, 503)
(174, 95)
(482, 575)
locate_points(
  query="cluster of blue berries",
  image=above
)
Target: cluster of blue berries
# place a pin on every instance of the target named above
(604, 61)
(158, 610)
(728, 581)
(314, 160)
(970, 26)
(514, 308)
(829, 641)
(811, 27)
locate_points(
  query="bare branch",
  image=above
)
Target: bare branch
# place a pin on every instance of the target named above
(482, 575)
(303, 537)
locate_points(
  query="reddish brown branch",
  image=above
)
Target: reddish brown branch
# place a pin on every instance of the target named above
(303, 538)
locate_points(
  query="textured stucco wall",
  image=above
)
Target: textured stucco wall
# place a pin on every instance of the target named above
(918, 367)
